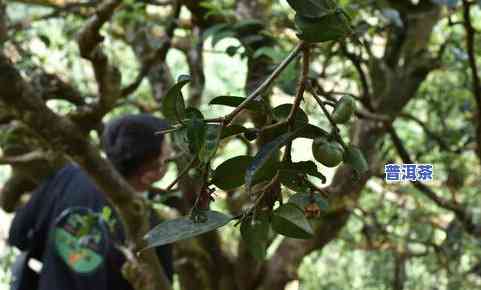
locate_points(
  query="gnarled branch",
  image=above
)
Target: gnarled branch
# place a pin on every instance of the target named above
(65, 136)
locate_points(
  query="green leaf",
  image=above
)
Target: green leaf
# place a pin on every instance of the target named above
(306, 167)
(302, 199)
(312, 132)
(268, 169)
(232, 50)
(211, 142)
(215, 29)
(231, 173)
(233, 130)
(231, 101)
(45, 39)
(255, 234)
(221, 35)
(181, 140)
(289, 220)
(267, 51)
(355, 158)
(184, 228)
(312, 8)
(248, 25)
(281, 112)
(251, 40)
(264, 154)
(195, 129)
(333, 26)
(199, 215)
(308, 131)
(274, 132)
(294, 180)
(173, 106)
(294, 175)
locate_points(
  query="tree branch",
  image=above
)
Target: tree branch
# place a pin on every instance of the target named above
(473, 65)
(51, 86)
(3, 23)
(195, 61)
(24, 158)
(302, 85)
(184, 171)
(440, 201)
(442, 144)
(357, 62)
(108, 77)
(260, 89)
(159, 56)
(65, 136)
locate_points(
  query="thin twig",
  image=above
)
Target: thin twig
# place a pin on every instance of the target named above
(357, 62)
(166, 131)
(440, 201)
(203, 188)
(265, 84)
(258, 199)
(301, 86)
(158, 3)
(297, 101)
(476, 79)
(214, 120)
(442, 144)
(24, 158)
(331, 121)
(181, 174)
(324, 110)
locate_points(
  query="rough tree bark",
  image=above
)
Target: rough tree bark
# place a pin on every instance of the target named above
(473, 66)
(65, 136)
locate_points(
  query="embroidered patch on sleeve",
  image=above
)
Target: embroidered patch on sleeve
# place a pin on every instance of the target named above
(80, 239)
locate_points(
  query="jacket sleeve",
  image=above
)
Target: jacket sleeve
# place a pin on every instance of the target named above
(31, 221)
(23, 224)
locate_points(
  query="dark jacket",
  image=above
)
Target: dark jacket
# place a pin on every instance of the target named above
(35, 228)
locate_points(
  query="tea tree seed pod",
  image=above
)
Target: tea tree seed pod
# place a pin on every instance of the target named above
(344, 110)
(354, 156)
(329, 154)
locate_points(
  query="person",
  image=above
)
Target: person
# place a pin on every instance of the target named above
(60, 224)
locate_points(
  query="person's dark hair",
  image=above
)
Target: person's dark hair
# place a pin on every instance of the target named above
(131, 140)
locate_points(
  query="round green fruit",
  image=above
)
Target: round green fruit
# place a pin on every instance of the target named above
(329, 154)
(356, 159)
(344, 110)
